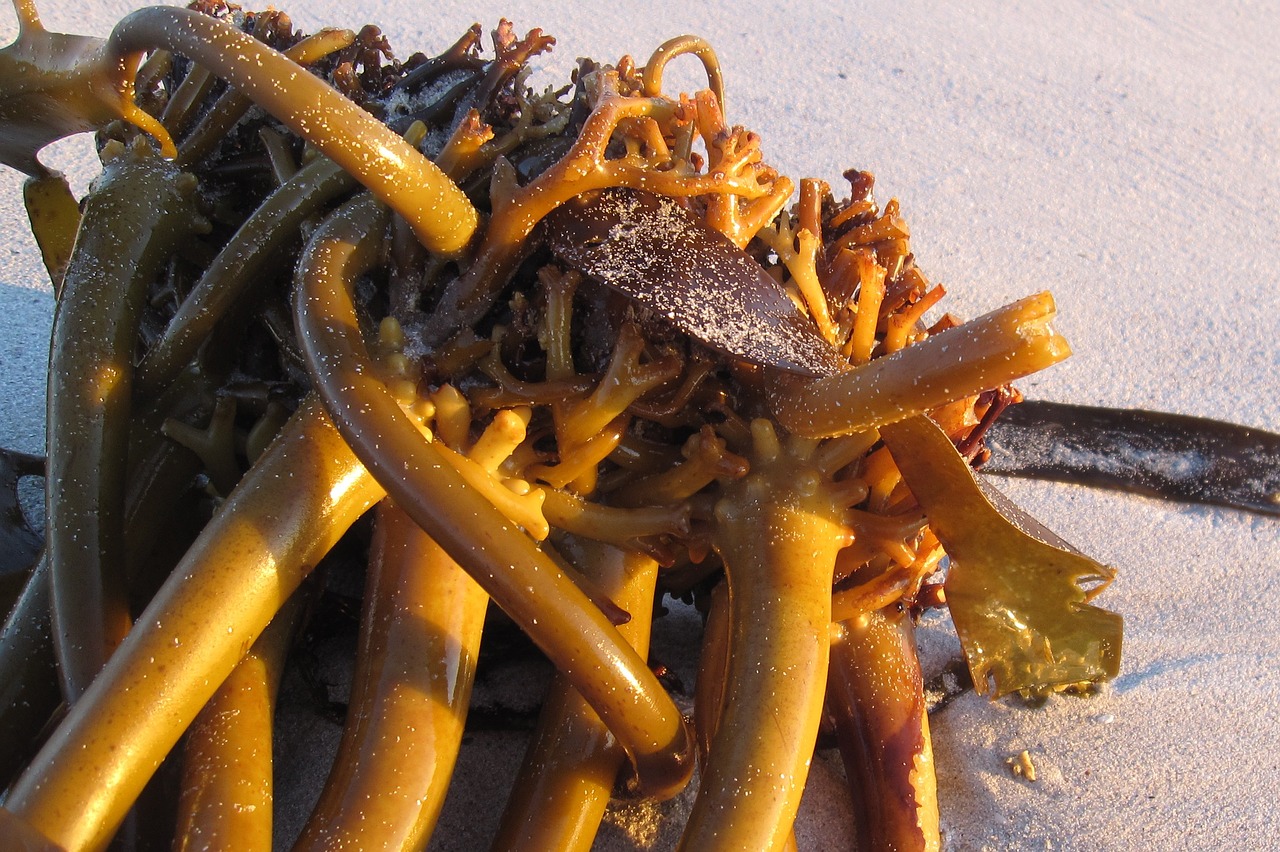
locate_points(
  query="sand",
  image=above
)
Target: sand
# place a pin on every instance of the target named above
(1124, 158)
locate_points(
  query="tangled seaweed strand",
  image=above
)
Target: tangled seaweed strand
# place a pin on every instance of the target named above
(362, 295)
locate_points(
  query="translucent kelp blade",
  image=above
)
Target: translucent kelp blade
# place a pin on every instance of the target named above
(1018, 603)
(55, 218)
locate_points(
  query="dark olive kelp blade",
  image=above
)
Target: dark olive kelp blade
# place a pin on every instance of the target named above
(660, 255)
(1172, 456)
(19, 543)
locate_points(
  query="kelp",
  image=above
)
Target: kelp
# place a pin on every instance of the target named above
(52, 86)
(877, 703)
(19, 543)
(1170, 456)
(585, 358)
(1019, 603)
(142, 208)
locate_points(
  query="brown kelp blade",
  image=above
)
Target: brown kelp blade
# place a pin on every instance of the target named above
(1020, 604)
(657, 253)
(1171, 456)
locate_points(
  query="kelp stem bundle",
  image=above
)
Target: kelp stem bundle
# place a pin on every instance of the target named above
(440, 214)
(299, 499)
(637, 376)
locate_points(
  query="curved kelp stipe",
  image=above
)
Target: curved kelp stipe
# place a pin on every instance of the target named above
(778, 530)
(141, 208)
(419, 646)
(571, 766)
(440, 214)
(418, 649)
(227, 783)
(525, 582)
(284, 515)
(233, 104)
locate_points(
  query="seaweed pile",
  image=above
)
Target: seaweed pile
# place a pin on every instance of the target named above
(573, 351)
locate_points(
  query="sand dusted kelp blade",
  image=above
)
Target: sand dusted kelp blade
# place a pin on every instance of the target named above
(1171, 456)
(45, 94)
(1018, 605)
(656, 252)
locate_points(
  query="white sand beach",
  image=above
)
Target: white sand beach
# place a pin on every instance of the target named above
(1125, 157)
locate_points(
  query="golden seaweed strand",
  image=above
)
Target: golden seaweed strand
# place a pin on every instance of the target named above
(227, 787)
(441, 216)
(572, 763)
(285, 514)
(142, 208)
(778, 531)
(507, 564)
(419, 642)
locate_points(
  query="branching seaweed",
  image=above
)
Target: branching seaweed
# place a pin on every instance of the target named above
(577, 365)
